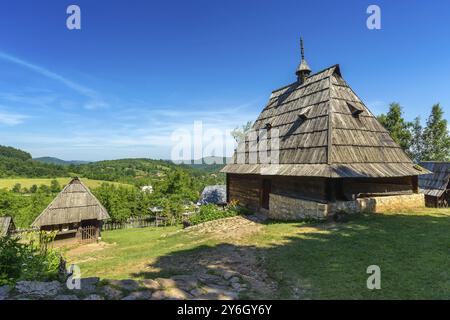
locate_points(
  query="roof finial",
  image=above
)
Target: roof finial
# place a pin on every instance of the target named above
(302, 49)
(303, 69)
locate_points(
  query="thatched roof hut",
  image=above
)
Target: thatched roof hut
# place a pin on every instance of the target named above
(73, 208)
(6, 226)
(436, 186)
(326, 135)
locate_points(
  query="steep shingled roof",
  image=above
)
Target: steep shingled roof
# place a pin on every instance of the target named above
(437, 182)
(325, 130)
(73, 204)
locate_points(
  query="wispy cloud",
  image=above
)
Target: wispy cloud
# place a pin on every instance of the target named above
(11, 119)
(94, 100)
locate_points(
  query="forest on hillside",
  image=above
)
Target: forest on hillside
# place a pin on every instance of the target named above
(175, 187)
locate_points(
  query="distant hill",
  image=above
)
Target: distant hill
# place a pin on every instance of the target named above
(209, 164)
(53, 160)
(17, 163)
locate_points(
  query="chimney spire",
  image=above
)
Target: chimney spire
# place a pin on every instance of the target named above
(303, 69)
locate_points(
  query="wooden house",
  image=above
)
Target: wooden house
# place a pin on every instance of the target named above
(6, 226)
(332, 154)
(436, 186)
(74, 213)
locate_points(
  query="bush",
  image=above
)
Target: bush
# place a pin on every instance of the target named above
(210, 212)
(30, 261)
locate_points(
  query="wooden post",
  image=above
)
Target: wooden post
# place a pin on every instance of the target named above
(415, 184)
(227, 177)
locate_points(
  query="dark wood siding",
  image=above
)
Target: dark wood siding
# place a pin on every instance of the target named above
(378, 186)
(300, 187)
(246, 189)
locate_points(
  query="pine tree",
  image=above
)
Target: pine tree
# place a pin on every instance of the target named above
(397, 126)
(436, 137)
(416, 149)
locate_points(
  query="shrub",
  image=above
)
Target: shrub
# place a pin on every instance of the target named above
(210, 212)
(27, 261)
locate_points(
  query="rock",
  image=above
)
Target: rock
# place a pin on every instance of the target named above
(89, 285)
(234, 279)
(185, 282)
(227, 274)
(151, 284)
(112, 293)
(220, 292)
(4, 292)
(139, 295)
(171, 294)
(166, 283)
(211, 287)
(38, 289)
(127, 284)
(210, 278)
(236, 285)
(94, 297)
(197, 292)
(66, 297)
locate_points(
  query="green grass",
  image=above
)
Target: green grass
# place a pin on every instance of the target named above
(9, 183)
(412, 250)
(130, 250)
(306, 260)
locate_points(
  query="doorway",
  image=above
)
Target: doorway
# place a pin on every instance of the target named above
(265, 196)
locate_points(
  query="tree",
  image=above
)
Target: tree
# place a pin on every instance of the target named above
(397, 126)
(17, 187)
(239, 133)
(416, 149)
(55, 187)
(436, 137)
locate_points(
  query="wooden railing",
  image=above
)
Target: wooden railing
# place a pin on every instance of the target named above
(136, 222)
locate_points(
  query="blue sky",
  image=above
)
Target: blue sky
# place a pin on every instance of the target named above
(138, 70)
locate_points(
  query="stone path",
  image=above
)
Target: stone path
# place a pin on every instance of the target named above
(203, 286)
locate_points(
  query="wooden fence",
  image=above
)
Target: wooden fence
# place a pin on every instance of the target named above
(89, 234)
(136, 222)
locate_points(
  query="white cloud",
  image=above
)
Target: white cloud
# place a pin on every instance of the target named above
(11, 119)
(94, 99)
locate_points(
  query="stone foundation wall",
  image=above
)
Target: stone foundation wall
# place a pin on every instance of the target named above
(287, 208)
(389, 203)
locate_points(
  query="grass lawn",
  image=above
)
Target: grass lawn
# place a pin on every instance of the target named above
(9, 183)
(305, 260)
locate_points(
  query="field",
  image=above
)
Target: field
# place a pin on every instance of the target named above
(295, 260)
(9, 183)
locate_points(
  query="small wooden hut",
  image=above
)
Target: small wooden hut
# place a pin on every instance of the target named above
(74, 213)
(333, 154)
(6, 226)
(436, 186)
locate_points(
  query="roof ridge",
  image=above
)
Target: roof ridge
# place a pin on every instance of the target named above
(330, 122)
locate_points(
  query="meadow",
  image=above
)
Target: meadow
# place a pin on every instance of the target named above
(298, 260)
(9, 183)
